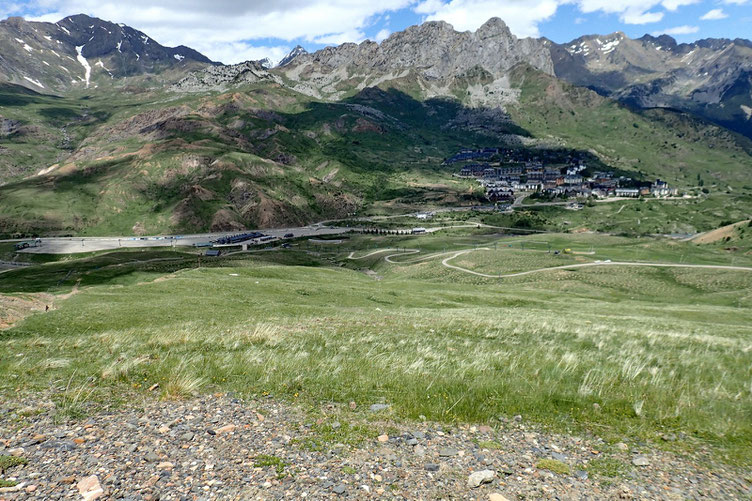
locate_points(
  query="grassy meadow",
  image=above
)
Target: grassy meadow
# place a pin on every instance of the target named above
(659, 350)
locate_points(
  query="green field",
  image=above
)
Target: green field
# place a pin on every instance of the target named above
(659, 350)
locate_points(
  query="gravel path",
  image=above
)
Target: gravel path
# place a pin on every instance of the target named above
(218, 447)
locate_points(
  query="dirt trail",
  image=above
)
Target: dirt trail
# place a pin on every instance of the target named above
(455, 254)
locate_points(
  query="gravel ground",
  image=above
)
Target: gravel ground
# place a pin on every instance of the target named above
(218, 447)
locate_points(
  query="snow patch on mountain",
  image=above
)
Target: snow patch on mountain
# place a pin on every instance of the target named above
(35, 82)
(87, 68)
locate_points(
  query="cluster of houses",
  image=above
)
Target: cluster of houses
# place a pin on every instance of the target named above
(515, 171)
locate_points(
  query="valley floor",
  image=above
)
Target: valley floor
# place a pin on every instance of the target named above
(627, 359)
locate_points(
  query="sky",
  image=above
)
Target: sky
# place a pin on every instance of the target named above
(233, 31)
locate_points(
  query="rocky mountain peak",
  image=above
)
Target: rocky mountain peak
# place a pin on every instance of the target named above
(290, 57)
(492, 28)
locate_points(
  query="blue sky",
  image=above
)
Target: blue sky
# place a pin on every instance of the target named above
(237, 30)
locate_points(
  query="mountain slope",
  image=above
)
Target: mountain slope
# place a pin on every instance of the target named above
(711, 78)
(82, 52)
(349, 129)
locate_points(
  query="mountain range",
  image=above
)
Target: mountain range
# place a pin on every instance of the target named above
(131, 136)
(82, 52)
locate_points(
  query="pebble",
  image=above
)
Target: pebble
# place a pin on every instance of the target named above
(621, 446)
(379, 407)
(447, 452)
(640, 461)
(480, 477)
(495, 496)
(340, 489)
(383, 438)
(229, 428)
(89, 488)
(431, 467)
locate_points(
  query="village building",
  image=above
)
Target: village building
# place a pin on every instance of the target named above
(627, 192)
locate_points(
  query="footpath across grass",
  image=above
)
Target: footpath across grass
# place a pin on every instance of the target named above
(627, 354)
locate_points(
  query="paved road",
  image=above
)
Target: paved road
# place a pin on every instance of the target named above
(90, 244)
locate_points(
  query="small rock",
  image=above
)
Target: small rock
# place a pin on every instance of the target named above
(31, 488)
(151, 457)
(669, 437)
(336, 425)
(353, 406)
(412, 441)
(559, 457)
(187, 436)
(518, 418)
(478, 478)
(89, 488)
(419, 450)
(383, 438)
(641, 461)
(447, 452)
(596, 407)
(621, 446)
(495, 496)
(340, 489)
(17, 452)
(228, 428)
(581, 475)
(431, 467)
(165, 465)
(379, 407)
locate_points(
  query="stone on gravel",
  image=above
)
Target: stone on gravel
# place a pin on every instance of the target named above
(559, 457)
(480, 477)
(379, 407)
(641, 461)
(447, 452)
(383, 438)
(495, 496)
(165, 465)
(431, 467)
(340, 489)
(229, 428)
(622, 447)
(89, 488)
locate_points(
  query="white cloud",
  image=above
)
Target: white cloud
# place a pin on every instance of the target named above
(633, 11)
(226, 29)
(713, 15)
(383, 35)
(677, 30)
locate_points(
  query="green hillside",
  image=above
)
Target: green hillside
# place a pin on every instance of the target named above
(146, 162)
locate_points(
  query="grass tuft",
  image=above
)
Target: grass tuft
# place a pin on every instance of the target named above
(554, 466)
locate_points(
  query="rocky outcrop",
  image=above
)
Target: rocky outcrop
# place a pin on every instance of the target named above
(223, 77)
(433, 58)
